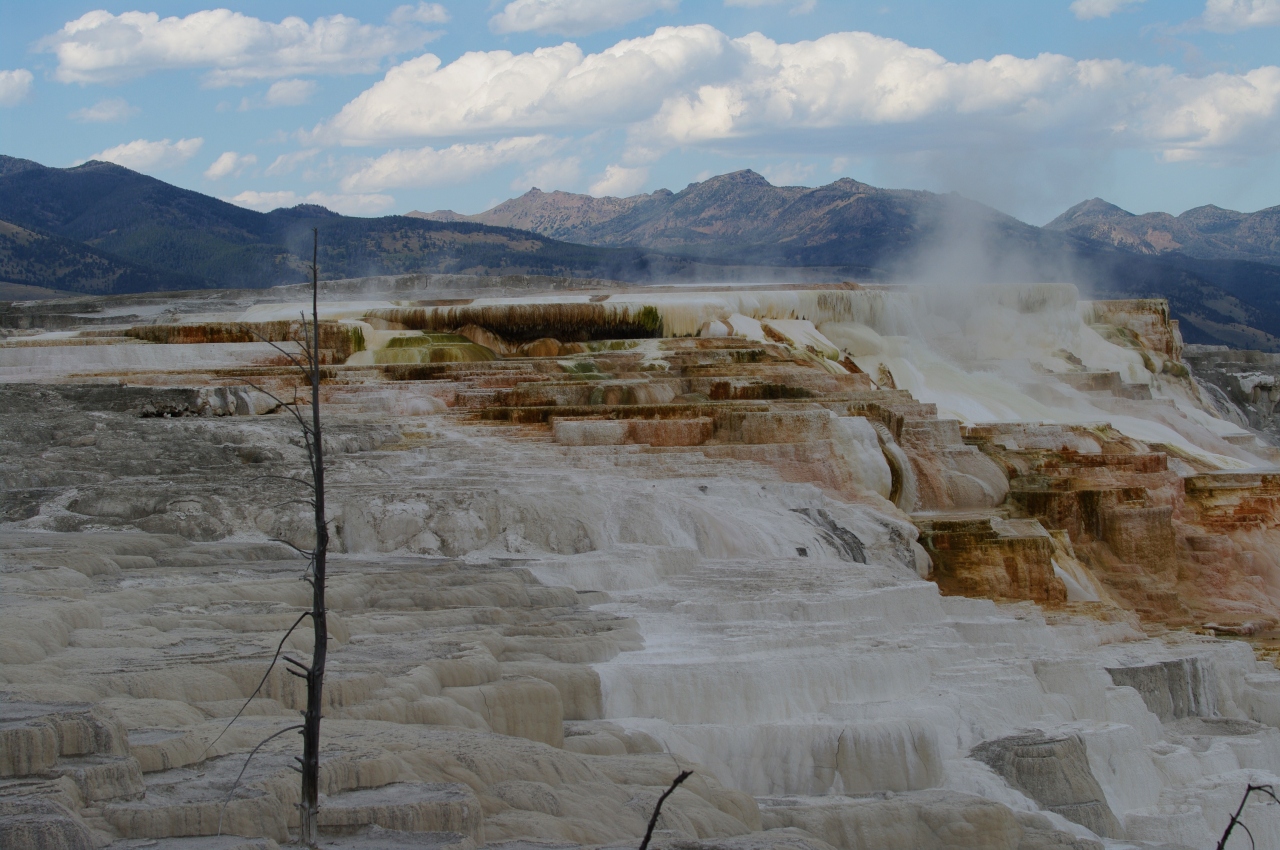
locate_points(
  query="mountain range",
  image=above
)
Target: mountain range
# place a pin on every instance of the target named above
(1221, 273)
(742, 217)
(99, 227)
(742, 211)
(1206, 232)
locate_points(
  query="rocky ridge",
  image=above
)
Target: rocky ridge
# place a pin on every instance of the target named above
(1209, 231)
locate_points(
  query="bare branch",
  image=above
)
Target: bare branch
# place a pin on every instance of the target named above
(263, 338)
(236, 784)
(296, 663)
(305, 552)
(306, 335)
(292, 408)
(1252, 843)
(657, 809)
(1235, 821)
(270, 667)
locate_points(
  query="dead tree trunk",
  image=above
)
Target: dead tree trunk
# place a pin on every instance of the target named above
(314, 675)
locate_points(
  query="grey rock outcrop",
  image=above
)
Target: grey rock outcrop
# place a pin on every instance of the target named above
(1055, 772)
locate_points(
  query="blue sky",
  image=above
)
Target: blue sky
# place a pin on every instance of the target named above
(374, 108)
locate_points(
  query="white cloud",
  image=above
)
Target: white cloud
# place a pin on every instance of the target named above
(619, 182)
(14, 86)
(285, 163)
(863, 81)
(550, 87)
(1233, 113)
(550, 175)
(228, 164)
(574, 17)
(454, 164)
(423, 13)
(1232, 15)
(803, 7)
(290, 92)
(1087, 10)
(694, 86)
(789, 174)
(143, 155)
(101, 47)
(265, 201)
(106, 111)
(345, 204)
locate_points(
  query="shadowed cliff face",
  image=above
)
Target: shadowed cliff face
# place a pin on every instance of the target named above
(819, 544)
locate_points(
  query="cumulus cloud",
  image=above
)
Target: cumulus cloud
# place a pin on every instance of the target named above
(345, 204)
(618, 181)
(14, 86)
(290, 92)
(862, 81)
(550, 87)
(789, 174)
(1088, 9)
(454, 164)
(423, 13)
(143, 155)
(285, 163)
(574, 17)
(550, 175)
(106, 111)
(229, 164)
(1233, 15)
(694, 86)
(102, 47)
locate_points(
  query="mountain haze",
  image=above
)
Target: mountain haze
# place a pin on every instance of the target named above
(1207, 232)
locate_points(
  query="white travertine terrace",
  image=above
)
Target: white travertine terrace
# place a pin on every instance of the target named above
(547, 602)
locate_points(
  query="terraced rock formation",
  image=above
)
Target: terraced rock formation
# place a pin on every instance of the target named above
(884, 568)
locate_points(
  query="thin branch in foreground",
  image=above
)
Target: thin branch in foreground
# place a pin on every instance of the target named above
(270, 667)
(292, 408)
(1235, 821)
(306, 337)
(271, 343)
(657, 809)
(306, 553)
(234, 785)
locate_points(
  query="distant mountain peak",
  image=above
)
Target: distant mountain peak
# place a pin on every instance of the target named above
(1206, 232)
(1093, 209)
(14, 165)
(745, 177)
(313, 210)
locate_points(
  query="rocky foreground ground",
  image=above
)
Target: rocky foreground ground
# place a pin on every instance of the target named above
(881, 579)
